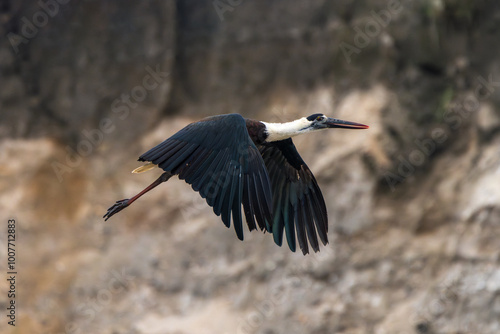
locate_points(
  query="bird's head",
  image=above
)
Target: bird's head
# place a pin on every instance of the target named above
(320, 122)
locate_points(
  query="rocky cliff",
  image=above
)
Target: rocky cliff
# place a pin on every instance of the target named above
(413, 202)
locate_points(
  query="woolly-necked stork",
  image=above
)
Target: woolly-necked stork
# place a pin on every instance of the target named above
(232, 161)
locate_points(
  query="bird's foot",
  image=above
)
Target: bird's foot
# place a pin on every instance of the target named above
(117, 207)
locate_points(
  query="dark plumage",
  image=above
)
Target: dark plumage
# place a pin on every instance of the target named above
(232, 161)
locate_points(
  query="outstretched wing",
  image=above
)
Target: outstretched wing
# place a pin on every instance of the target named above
(219, 160)
(298, 204)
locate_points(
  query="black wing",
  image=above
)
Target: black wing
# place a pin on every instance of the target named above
(298, 204)
(219, 160)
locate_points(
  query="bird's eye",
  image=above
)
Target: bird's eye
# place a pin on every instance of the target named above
(319, 118)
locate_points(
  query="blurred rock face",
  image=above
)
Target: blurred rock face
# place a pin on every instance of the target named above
(413, 202)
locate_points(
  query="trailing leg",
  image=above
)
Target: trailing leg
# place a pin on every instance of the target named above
(122, 204)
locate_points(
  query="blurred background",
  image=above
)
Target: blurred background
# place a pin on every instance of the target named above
(413, 202)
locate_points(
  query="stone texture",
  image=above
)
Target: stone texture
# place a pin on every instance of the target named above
(413, 201)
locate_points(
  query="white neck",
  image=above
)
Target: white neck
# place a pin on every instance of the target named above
(280, 131)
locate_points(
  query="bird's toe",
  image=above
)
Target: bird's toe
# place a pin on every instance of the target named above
(115, 208)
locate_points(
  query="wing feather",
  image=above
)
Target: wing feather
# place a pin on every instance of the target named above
(207, 176)
(165, 155)
(217, 157)
(247, 203)
(298, 205)
(198, 157)
(310, 228)
(238, 199)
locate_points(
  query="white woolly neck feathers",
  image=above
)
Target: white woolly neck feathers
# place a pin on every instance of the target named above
(280, 131)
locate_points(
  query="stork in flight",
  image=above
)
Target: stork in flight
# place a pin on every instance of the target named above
(232, 161)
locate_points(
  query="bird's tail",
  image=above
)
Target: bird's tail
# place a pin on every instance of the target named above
(144, 168)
